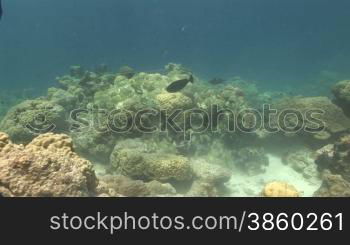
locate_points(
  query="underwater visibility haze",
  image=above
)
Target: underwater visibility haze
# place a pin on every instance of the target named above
(180, 98)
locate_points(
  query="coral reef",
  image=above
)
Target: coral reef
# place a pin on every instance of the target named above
(280, 189)
(90, 106)
(46, 167)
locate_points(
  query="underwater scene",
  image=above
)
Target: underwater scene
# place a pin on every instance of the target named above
(175, 98)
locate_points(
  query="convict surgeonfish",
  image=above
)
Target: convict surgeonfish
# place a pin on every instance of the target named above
(179, 85)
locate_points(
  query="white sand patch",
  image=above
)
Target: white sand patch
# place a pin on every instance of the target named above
(251, 186)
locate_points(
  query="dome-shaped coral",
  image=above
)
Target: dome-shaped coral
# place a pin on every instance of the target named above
(173, 101)
(280, 189)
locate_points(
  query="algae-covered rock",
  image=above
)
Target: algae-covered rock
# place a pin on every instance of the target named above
(341, 92)
(302, 161)
(32, 117)
(210, 173)
(330, 119)
(209, 179)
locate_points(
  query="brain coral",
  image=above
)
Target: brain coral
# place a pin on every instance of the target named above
(173, 101)
(280, 189)
(46, 167)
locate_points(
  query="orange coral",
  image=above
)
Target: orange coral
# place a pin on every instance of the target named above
(280, 189)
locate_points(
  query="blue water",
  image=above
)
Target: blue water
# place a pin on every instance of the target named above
(278, 43)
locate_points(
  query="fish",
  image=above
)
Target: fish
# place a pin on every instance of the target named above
(179, 85)
(216, 81)
(0, 10)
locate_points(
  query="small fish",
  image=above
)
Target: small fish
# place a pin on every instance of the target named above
(179, 85)
(0, 10)
(216, 81)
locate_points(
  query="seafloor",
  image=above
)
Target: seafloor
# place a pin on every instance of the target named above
(108, 134)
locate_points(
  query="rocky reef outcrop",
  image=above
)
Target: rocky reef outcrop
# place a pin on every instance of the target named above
(336, 157)
(316, 119)
(341, 91)
(209, 179)
(333, 161)
(302, 161)
(251, 160)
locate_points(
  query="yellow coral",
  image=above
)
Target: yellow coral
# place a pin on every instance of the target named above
(53, 142)
(172, 101)
(167, 166)
(280, 189)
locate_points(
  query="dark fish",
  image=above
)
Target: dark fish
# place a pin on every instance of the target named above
(0, 10)
(216, 81)
(179, 85)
